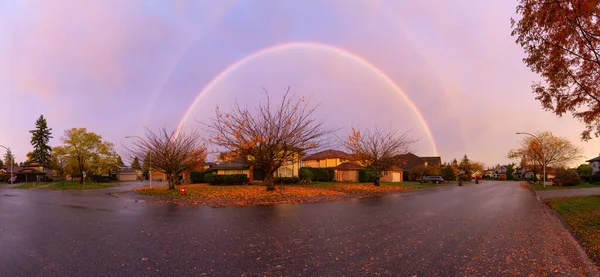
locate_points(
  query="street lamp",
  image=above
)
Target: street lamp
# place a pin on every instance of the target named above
(149, 157)
(543, 158)
(12, 162)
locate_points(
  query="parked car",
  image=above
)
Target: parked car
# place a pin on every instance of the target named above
(433, 179)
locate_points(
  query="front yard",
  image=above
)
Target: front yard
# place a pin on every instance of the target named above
(203, 194)
(63, 185)
(582, 213)
(538, 187)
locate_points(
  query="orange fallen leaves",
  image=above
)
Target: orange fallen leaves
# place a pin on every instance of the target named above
(248, 195)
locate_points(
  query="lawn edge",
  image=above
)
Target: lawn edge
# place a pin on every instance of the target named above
(592, 263)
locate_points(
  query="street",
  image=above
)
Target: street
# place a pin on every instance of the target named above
(493, 229)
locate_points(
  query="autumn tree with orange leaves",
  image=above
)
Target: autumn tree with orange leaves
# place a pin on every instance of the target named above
(562, 41)
(271, 135)
(171, 152)
(553, 151)
(378, 150)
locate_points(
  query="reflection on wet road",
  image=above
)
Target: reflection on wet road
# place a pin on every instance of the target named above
(493, 228)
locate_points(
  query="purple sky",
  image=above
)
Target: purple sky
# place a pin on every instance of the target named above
(116, 67)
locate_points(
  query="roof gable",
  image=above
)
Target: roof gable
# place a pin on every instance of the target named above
(328, 154)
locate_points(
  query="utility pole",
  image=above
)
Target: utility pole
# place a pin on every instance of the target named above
(543, 158)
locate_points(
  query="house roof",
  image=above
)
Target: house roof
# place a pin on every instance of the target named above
(409, 161)
(230, 165)
(596, 159)
(432, 160)
(128, 170)
(328, 154)
(347, 166)
(395, 168)
(29, 171)
(15, 168)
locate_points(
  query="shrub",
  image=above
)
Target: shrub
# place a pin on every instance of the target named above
(209, 178)
(228, 180)
(595, 178)
(287, 180)
(366, 176)
(197, 177)
(321, 174)
(306, 174)
(502, 176)
(566, 177)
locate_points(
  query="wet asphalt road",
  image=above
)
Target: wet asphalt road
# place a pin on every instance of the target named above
(493, 229)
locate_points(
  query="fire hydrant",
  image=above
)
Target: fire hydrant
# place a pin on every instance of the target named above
(182, 189)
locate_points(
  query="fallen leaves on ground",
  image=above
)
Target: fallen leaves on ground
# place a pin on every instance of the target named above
(203, 194)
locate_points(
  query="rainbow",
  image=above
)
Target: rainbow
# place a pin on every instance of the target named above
(317, 47)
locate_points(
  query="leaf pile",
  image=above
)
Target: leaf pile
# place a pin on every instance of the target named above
(202, 194)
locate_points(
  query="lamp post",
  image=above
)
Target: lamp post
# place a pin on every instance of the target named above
(149, 157)
(543, 158)
(12, 162)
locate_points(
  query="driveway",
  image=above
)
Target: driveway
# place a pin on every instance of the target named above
(568, 192)
(494, 229)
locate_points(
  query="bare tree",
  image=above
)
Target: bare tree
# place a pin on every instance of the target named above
(377, 149)
(271, 135)
(549, 150)
(171, 152)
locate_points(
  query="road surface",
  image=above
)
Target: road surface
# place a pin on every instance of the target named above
(493, 229)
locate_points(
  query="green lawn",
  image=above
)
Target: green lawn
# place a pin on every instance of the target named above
(537, 186)
(64, 185)
(582, 213)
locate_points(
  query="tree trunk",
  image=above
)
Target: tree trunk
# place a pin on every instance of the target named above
(170, 181)
(81, 179)
(377, 181)
(269, 182)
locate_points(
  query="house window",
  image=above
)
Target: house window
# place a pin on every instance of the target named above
(385, 173)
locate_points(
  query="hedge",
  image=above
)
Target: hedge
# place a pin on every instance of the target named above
(319, 174)
(226, 180)
(306, 174)
(287, 180)
(197, 177)
(595, 178)
(366, 176)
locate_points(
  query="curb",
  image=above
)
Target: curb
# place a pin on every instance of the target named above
(590, 264)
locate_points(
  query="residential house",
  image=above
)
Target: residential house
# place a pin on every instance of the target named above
(129, 174)
(595, 164)
(409, 161)
(394, 175)
(158, 176)
(33, 172)
(327, 158)
(239, 166)
(528, 172)
(347, 172)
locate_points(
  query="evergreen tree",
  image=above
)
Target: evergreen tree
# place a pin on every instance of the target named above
(9, 158)
(39, 139)
(136, 164)
(119, 160)
(1, 163)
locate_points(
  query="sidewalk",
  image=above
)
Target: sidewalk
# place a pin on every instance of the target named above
(568, 192)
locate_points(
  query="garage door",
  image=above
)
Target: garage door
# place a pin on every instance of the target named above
(127, 177)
